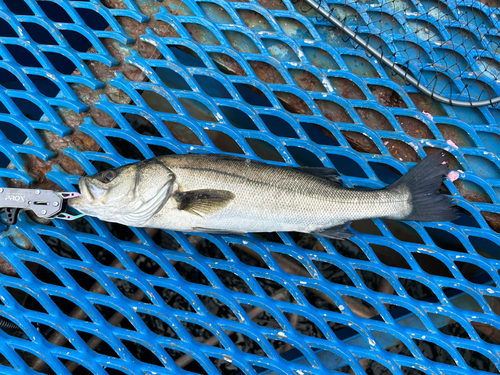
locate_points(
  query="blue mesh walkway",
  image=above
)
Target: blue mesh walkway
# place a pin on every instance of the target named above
(88, 85)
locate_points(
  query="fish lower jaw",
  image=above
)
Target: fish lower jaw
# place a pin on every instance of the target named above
(82, 202)
(75, 202)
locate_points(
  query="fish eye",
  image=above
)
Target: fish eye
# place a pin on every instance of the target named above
(108, 176)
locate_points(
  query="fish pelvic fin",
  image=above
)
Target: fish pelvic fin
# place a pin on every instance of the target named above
(338, 232)
(215, 231)
(203, 202)
(422, 182)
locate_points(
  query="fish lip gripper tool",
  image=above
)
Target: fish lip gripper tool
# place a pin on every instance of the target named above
(46, 204)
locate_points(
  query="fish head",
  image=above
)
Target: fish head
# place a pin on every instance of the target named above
(129, 195)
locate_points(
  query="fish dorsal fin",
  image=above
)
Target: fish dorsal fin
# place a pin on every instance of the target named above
(206, 201)
(339, 232)
(329, 174)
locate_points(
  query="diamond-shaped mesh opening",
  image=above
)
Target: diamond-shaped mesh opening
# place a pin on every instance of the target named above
(86, 86)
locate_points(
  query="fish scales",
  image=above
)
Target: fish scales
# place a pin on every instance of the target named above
(223, 194)
(286, 198)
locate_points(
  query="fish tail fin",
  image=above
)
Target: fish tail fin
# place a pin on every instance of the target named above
(423, 182)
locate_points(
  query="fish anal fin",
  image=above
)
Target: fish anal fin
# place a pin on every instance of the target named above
(339, 232)
(329, 174)
(206, 201)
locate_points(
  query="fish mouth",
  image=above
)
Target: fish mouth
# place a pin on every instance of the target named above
(84, 194)
(95, 191)
(84, 189)
(89, 193)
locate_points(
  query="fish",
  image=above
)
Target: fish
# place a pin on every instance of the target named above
(216, 193)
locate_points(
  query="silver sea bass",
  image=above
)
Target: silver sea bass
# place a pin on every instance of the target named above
(225, 194)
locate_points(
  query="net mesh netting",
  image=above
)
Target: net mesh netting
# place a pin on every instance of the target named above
(88, 85)
(447, 50)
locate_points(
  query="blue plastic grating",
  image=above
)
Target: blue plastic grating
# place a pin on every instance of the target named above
(263, 80)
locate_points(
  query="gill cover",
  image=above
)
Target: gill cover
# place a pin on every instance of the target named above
(153, 187)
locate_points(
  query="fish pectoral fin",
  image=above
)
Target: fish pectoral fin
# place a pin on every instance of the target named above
(338, 232)
(329, 174)
(207, 201)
